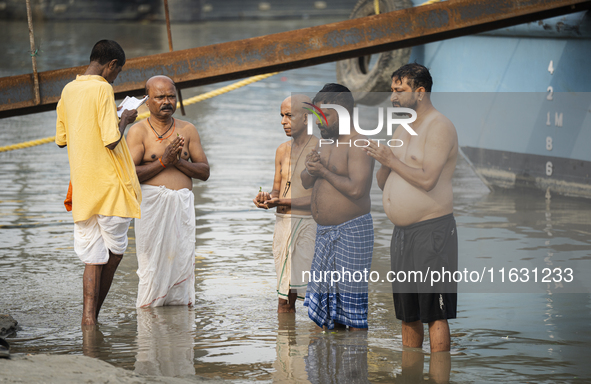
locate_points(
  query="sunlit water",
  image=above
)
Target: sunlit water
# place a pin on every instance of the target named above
(233, 331)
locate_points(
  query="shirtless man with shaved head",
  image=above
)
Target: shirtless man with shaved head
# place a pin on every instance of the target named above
(295, 229)
(168, 155)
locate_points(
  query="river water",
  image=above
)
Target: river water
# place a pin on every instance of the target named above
(233, 331)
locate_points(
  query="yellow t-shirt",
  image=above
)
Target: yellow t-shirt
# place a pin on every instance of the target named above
(104, 181)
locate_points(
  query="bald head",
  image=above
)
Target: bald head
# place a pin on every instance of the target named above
(294, 117)
(296, 103)
(162, 97)
(158, 80)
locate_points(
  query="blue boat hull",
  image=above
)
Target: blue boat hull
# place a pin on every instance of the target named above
(520, 100)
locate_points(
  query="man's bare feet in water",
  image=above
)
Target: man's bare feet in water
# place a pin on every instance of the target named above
(287, 306)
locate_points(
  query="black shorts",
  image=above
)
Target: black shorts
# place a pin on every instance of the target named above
(418, 249)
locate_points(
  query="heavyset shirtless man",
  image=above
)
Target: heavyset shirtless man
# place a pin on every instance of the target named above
(417, 182)
(341, 177)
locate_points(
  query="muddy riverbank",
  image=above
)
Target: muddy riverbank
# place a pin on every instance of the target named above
(69, 369)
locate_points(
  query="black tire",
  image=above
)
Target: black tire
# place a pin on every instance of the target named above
(363, 81)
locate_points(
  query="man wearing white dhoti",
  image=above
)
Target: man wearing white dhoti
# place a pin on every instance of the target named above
(104, 191)
(165, 247)
(165, 165)
(295, 229)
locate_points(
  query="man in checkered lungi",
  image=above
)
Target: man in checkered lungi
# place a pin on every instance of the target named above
(341, 176)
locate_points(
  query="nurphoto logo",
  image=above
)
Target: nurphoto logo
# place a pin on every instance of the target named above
(393, 118)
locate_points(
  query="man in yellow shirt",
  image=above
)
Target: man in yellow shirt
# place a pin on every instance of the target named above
(105, 190)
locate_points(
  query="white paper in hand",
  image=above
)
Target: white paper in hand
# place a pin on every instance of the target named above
(130, 103)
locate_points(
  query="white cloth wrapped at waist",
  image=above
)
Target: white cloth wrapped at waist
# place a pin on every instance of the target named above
(293, 251)
(165, 246)
(96, 236)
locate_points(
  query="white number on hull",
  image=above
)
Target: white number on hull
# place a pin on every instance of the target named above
(557, 119)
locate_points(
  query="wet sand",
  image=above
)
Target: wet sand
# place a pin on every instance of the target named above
(69, 369)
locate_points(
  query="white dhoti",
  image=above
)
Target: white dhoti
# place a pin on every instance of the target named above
(293, 251)
(165, 246)
(95, 237)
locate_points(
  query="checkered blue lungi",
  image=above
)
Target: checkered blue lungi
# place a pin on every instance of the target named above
(345, 248)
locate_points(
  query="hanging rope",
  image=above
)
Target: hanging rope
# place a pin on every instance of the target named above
(27, 144)
(192, 100)
(217, 92)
